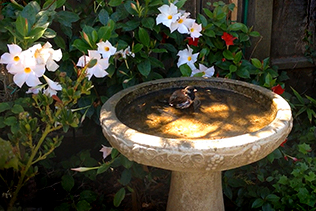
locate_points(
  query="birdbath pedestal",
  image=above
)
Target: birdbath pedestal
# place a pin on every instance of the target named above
(197, 162)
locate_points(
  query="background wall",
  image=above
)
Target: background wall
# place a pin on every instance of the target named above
(288, 35)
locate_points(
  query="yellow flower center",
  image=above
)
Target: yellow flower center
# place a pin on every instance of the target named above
(106, 48)
(189, 58)
(16, 58)
(37, 53)
(180, 21)
(192, 30)
(169, 17)
(27, 70)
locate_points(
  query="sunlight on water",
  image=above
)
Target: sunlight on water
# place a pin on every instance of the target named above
(215, 114)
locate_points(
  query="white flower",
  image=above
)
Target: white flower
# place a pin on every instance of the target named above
(106, 151)
(27, 71)
(98, 70)
(34, 90)
(126, 52)
(52, 88)
(13, 57)
(182, 24)
(47, 55)
(195, 30)
(186, 57)
(168, 15)
(106, 49)
(207, 72)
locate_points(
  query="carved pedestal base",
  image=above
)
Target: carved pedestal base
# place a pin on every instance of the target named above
(196, 191)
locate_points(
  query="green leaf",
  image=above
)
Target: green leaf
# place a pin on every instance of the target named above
(7, 157)
(104, 33)
(16, 109)
(256, 62)
(4, 106)
(209, 33)
(21, 25)
(304, 148)
(269, 179)
(67, 182)
(254, 34)
(126, 162)
(66, 17)
(238, 57)
(30, 12)
(36, 33)
(228, 55)
(137, 48)
(88, 195)
(232, 68)
(310, 114)
(126, 177)
(298, 96)
(283, 180)
(148, 23)
(208, 13)
(144, 36)
(60, 42)
(103, 17)
(185, 70)
(60, 3)
(131, 25)
(159, 50)
(268, 80)
(243, 73)
(272, 198)
(49, 34)
(83, 205)
(115, 3)
(257, 203)
(311, 177)
(180, 3)
(81, 45)
(238, 26)
(114, 153)
(119, 196)
(10, 121)
(144, 67)
(104, 167)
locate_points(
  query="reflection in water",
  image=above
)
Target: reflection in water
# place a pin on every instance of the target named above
(216, 114)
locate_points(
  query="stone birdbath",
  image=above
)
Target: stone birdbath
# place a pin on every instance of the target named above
(230, 124)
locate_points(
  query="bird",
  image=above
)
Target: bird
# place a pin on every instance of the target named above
(182, 98)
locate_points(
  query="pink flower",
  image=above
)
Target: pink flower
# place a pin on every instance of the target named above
(106, 151)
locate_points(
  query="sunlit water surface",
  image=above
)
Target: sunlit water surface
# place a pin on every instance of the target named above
(215, 114)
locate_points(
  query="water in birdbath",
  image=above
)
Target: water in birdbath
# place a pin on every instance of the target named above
(215, 114)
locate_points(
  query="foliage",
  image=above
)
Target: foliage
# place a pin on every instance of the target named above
(285, 179)
(30, 123)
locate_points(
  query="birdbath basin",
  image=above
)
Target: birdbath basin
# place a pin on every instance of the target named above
(230, 124)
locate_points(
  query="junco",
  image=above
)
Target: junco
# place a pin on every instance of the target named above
(182, 98)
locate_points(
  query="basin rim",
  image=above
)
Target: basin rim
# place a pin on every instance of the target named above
(112, 126)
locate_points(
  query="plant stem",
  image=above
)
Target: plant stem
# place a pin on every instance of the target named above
(27, 167)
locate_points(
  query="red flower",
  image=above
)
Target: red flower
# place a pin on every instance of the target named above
(193, 41)
(223, 59)
(228, 38)
(164, 38)
(282, 144)
(278, 89)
